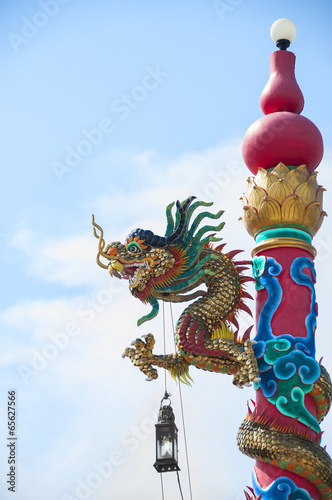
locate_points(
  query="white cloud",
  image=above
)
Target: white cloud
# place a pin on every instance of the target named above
(155, 182)
(70, 261)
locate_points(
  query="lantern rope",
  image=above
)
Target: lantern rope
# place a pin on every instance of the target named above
(162, 486)
(164, 335)
(177, 473)
(182, 411)
(166, 395)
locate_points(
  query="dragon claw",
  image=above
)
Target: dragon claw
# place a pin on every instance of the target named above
(126, 352)
(141, 355)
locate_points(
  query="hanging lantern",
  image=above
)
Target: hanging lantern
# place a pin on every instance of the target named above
(166, 439)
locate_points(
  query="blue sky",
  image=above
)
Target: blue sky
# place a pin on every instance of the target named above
(165, 91)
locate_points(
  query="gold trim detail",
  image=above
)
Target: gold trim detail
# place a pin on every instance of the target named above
(283, 242)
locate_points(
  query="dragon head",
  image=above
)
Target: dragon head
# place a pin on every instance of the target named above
(162, 267)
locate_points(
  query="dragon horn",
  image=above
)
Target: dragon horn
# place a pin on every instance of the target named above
(162, 241)
(182, 209)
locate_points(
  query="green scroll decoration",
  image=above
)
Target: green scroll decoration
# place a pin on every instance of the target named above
(294, 376)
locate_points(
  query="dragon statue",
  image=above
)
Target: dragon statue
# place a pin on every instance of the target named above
(165, 268)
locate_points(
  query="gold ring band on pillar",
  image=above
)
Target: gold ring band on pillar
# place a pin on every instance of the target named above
(283, 242)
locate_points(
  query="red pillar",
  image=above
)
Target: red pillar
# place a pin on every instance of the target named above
(283, 211)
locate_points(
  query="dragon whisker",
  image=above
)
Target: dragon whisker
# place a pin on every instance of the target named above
(101, 243)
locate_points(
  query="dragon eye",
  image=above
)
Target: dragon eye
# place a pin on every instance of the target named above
(134, 247)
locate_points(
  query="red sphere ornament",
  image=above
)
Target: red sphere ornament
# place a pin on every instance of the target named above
(282, 137)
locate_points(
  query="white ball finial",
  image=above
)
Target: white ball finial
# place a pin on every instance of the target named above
(283, 29)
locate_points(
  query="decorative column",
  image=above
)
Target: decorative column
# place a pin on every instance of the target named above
(283, 211)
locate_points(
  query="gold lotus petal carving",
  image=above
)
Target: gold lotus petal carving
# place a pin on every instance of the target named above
(269, 212)
(251, 184)
(319, 194)
(264, 179)
(292, 210)
(251, 220)
(313, 216)
(280, 170)
(320, 222)
(280, 190)
(314, 174)
(307, 191)
(297, 176)
(256, 196)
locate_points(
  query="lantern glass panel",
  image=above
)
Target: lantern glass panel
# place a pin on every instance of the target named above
(165, 447)
(175, 442)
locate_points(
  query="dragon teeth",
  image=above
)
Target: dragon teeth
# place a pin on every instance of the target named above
(132, 279)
